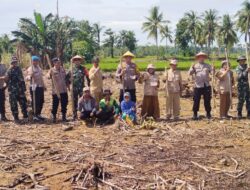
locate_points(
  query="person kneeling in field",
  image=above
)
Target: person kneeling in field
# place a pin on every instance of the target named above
(173, 90)
(108, 109)
(150, 104)
(224, 87)
(128, 108)
(87, 105)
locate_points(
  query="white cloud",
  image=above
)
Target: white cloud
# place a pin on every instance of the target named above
(126, 14)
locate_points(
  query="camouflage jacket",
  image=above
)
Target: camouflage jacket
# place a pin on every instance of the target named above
(79, 75)
(242, 75)
(15, 82)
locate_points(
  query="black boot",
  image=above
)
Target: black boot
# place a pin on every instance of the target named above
(195, 116)
(248, 115)
(74, 116)
(3, 117)
(53, 118)
(239, 116)
(64, 119)
(16, 119)
(209, 115)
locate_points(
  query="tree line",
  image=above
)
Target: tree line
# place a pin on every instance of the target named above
(64, 36)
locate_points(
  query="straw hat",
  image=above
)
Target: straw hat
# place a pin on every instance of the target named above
(173, 62)
(128, 54)
(201, 54)
(78, 57)
(150, 66)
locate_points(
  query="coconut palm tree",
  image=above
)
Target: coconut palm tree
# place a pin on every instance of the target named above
(243, 20)
(155, 22)
(210, 18)
(110, 40)
(193, 26)
(126, 39)
(226, 32)
(97, 28)
(166, 34)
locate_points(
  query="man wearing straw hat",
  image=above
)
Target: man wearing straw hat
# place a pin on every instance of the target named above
(243, 86)
(201, 71)
(80, 74)
(174, 88)
(127, 73)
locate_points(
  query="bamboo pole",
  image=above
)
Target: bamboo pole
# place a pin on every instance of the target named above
(213, 80)
(72, 88)
(230, 80)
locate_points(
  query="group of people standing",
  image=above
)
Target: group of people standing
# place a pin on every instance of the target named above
(93, 101)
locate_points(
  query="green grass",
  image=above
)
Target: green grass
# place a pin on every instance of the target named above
(110, 64)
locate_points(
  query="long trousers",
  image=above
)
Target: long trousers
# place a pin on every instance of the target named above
(173, 105)
(206, 93)
(2, 102)
(224, 104)
(15, 98)
(39, 100)
(55, 103)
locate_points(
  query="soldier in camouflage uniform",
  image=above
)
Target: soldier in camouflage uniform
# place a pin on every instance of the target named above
(3, 70)
(243, 86)
(80, 73)
(16, 88)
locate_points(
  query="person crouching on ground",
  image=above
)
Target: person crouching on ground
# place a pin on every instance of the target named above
(224, 87)
(128, 108)
(150, 104)
(173, 90)
(108, 109)
(59, 88)
(87, 105)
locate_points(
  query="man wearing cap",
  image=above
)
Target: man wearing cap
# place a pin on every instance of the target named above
(242, 72)
(59, 88)
(201, 71)
(173, 90)
(127, 73)
(80, 73)
(35, 76)
(87, 105)
(16, 88)
(224, 87)
(3, 70)
(96, 80)
(150, 102)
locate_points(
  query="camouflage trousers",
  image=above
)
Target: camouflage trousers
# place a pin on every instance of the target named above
(21, 99)
(243, 95)
(77, 95)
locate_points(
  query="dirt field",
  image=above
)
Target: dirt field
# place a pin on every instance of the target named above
(173, 155)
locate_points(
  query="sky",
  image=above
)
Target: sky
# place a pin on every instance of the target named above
(115, 14)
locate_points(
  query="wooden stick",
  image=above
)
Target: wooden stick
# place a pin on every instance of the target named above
(200, 166)
(230, 80)
(110, 184)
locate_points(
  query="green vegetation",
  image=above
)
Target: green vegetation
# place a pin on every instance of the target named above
(110, 64)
